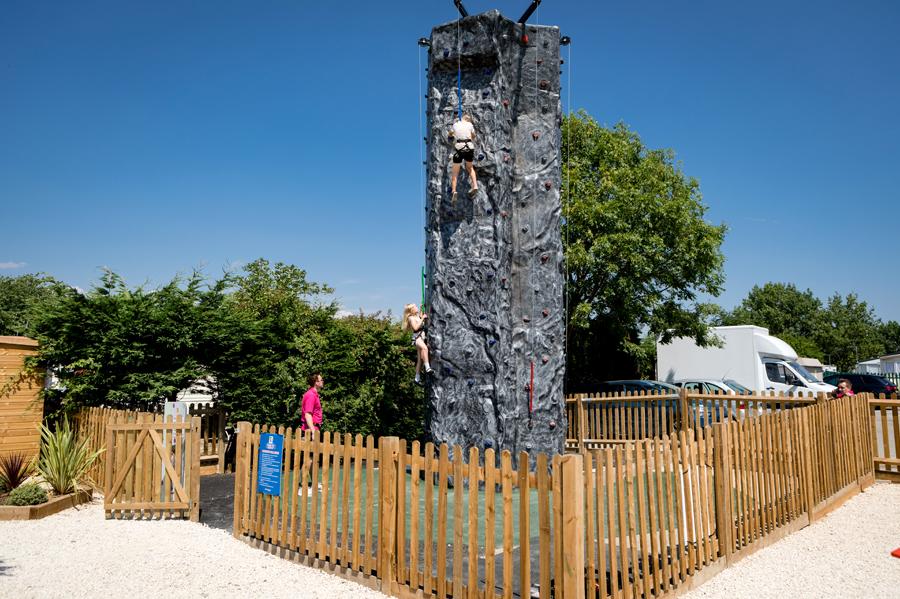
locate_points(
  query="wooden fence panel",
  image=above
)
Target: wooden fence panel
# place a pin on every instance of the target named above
(152, 467)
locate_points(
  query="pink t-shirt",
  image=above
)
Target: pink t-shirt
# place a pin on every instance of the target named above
(311, 405)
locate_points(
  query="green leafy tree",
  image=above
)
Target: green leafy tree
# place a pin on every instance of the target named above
(639, 252)
(23, 298)
(849, 332)
(122, 347)
(790, 314)
(890, 336)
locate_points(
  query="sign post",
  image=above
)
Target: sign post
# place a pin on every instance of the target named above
(271, 447)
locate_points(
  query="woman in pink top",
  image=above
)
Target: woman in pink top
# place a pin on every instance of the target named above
(311, 406)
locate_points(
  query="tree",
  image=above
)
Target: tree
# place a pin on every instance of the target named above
(787, 312)
(122, 347)
(21, 298)
(849, 332)
(890, 336)
(638, 250)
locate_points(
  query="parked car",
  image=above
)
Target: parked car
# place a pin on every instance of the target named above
(636, 386)
(864, 383)
(716, 387)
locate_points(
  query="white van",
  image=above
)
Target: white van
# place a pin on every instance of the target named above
(746, 354)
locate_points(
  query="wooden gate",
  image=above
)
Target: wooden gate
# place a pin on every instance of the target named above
(153, 468)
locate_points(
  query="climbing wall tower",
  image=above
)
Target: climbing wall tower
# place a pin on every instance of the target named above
(494, 261)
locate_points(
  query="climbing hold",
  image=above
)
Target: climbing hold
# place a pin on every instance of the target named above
(548, 185)
(525, 228)
(465, 44)
(503, 279)
(492, 341)
(481, 157)
(544, 258)
(505, 158)
(545, 359)
(485, 93)
(489, 275)
(470, 382)
(451, 284)
(489, 211)
(446, 52)
(528, 446)
(543, 160)
(524, 38)
(545, 312)
(526, 319)
(503, 213)
(505, 103)
(544, 84)
(539, 61)
(552, 424)
(482, 316)
(448, 371)
(535, 135)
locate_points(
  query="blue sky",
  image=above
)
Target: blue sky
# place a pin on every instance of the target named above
(153, 138)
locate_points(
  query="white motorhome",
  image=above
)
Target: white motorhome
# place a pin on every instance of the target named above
(746, 354)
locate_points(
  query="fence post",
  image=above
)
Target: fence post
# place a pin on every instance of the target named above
(582, 429)
(806, 452)
(195, 469)
(722, 473)
(388, 454)
(241, 474)
(572, 527)
(220, 444)
(684, 408)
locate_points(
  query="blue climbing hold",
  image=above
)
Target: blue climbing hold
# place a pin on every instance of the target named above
(492, 341)
(470, 382)
(490, 275)
(489, 211)
(485, 93)
(448, 371)
(446, 52)
(482, 316)
(481, 157)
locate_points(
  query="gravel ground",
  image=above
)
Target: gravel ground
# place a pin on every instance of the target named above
(846, 554)
(78, 553)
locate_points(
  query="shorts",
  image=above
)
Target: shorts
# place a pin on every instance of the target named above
(464, 154)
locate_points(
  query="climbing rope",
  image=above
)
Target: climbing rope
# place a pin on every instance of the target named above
(421, 169)
(459, 109)
(532, 287)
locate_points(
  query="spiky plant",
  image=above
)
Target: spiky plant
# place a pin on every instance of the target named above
(65, 459)
(14, 469)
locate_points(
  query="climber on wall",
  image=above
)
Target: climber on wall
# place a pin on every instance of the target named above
(463, 137)
(414, 321)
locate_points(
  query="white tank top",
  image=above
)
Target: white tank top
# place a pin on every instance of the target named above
(463, 130)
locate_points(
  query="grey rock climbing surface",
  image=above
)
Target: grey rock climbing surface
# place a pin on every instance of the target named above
(494, 260)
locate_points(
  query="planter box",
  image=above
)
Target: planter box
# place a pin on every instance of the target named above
(36, 512)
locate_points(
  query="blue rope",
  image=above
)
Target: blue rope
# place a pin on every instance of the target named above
(459, 93)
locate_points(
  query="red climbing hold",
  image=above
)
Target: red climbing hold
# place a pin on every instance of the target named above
(505, 103)
(545, 312)
(544, 258)
(548, 185)
(896, 552)
(503, 213)
(545, 359)
(526, 319)
(524, 38)
(536, 135)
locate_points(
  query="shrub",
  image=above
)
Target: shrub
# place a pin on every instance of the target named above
(14, 469)
(30, 494)
(65, 459)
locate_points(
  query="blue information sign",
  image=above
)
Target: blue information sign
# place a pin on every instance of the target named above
(270, 448)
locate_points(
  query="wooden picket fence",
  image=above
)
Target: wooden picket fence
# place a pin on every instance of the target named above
(152, 467)
(645, 518)
(596, 421)
(91, 424)
(886, 437)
